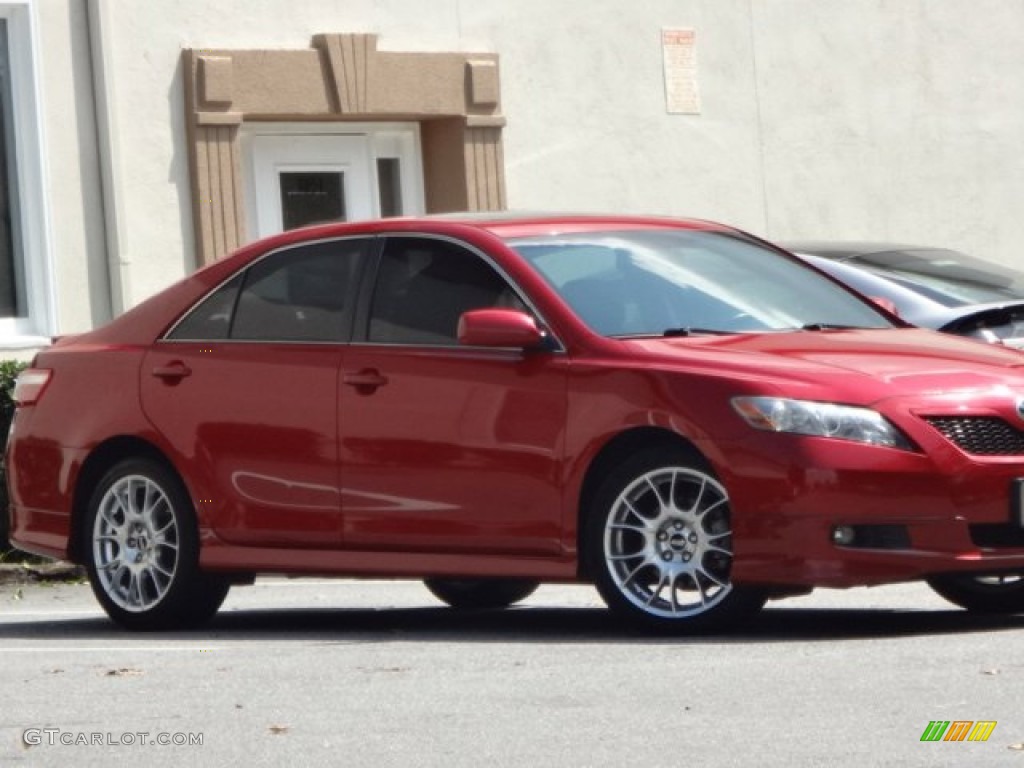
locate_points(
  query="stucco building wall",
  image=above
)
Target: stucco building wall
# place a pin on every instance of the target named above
(844, 119)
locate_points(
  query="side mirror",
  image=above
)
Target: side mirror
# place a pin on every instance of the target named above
(499, 328)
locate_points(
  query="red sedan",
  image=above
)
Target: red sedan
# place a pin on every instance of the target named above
(673, 410)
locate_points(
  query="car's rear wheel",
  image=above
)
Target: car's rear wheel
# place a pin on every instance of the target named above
(991, 593)
(480, 594)
(142, 550)
(659, 545)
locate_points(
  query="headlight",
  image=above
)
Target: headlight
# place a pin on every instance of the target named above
(805, 417)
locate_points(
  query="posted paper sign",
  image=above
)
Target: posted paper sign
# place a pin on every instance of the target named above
(679, 49)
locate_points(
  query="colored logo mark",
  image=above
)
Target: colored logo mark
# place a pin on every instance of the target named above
(958, 730)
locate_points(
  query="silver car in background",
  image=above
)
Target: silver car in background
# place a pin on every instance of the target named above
(930, 287)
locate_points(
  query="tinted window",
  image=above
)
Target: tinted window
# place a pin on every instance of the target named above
(301, 294)
(211, 319)
(424, 286)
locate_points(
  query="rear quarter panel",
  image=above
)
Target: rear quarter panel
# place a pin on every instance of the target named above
(91, 397)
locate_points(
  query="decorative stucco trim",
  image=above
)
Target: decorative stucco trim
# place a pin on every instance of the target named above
(455, 97)
(218, 191)
(219, 118)
(349, 58)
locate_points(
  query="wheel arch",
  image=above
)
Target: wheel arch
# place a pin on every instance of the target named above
(621, 446)
(102, 458)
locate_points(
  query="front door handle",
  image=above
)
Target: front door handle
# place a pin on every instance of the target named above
(365, 381)
(173, 372)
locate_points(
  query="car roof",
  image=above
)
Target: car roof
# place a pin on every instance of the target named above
(503, 224)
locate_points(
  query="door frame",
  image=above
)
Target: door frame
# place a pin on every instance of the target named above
(453, 98)
(400, 141)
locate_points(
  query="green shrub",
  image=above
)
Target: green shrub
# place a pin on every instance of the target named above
(9, 370)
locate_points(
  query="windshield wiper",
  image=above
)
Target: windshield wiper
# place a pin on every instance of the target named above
(690, 330)
(830, 327)
(669, 332)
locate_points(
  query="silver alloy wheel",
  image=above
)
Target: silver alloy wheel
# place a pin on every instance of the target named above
(668, 542)
(135, 543)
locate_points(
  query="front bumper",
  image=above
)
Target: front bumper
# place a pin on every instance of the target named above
(938, 511)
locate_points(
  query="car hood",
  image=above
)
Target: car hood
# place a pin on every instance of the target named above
(859, 366)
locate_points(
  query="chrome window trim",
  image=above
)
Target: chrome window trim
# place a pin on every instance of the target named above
(292, 342)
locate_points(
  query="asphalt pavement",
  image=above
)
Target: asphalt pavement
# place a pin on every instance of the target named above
(377, 673)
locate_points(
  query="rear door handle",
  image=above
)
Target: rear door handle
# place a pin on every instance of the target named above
(365, 381)
(172, 372)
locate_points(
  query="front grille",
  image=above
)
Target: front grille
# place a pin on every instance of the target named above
(981, 435)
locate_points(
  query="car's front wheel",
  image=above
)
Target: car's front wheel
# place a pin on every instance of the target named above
(995, 593)
(142, 550)
(480, 594)
(659, 545)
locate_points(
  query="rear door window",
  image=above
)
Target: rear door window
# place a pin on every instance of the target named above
(301, 294)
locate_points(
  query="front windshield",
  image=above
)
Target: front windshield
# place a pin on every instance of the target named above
(682, 282)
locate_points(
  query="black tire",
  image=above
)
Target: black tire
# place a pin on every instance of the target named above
(141, 550)
(658, 544)
(990, 593)
(480, 594)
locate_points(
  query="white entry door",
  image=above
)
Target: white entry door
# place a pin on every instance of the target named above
(301, 179)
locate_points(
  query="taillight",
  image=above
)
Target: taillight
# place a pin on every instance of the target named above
(30, 385)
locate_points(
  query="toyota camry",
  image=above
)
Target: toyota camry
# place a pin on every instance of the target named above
(677, 412)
